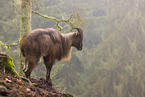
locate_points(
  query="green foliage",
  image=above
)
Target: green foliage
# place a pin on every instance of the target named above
(7, 63)
(111, 63)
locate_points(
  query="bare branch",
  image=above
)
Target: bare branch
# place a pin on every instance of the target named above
(68, 21)
(7, 46)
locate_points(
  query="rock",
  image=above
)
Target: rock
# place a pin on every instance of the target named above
(28, 90)
(7, 80)
(3, 90)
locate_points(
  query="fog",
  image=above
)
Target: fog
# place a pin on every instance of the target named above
(111, 63)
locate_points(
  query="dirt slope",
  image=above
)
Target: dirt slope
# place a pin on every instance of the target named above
(14, 86)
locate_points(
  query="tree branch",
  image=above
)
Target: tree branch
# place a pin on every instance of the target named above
(68, 21)
(7, 46)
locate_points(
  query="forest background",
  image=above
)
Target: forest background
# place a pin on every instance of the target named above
(112, 62)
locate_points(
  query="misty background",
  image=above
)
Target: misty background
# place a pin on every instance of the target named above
(112, 62)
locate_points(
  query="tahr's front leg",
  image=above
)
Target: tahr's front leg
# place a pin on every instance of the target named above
(48, 61)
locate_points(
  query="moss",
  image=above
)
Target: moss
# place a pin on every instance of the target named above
(7, 62)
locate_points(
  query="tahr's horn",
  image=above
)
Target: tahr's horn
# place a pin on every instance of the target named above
(79, 30)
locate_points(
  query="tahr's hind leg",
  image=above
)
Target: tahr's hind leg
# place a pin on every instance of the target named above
(25, 64)
(48, 61)
(29, 69)
(31, 63)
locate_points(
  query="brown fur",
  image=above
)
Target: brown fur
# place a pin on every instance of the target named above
(49, 43)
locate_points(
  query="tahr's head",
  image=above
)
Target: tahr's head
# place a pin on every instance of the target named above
(78, 39)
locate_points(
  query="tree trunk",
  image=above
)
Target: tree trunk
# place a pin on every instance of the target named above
(26, 10)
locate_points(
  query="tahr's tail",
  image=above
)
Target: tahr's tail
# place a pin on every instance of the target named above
(22, 51)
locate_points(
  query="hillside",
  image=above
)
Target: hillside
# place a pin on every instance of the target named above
(14, 86)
